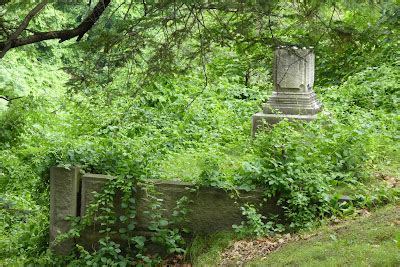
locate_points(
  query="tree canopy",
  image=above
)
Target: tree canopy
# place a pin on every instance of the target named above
(160, 33)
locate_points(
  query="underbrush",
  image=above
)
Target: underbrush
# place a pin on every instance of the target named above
(168, 133)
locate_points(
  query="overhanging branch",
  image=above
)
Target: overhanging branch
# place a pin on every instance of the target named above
(62, 35)
(22, 27)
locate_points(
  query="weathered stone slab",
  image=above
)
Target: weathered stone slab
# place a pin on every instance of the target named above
(210, 209)
(260, 119)
(64, 190)
(292, 103)
(91, 183)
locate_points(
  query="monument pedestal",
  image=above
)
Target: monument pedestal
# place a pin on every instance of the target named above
(293, 97)
(260, 119)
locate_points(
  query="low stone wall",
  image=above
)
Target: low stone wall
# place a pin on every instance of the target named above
(210, 209)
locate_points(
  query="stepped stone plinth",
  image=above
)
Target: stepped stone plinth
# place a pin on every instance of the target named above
(293, 96)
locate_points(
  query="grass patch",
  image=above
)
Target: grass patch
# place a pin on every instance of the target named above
(372, 240)
(206, 250)
(368, 241)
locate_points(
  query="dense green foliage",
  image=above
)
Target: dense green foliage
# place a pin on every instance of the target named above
(139, 112)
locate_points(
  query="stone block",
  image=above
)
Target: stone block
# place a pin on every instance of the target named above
(293, 69)
(260, 119)
(210, 210)
(64, 190)
(292, 103)
(91, 183)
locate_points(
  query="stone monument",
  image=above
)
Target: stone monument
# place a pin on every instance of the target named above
(293, 96)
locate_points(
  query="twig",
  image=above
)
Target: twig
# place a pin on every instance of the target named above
(10, 99)
(203, 63)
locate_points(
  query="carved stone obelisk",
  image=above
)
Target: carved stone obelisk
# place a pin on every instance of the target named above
(293, 96)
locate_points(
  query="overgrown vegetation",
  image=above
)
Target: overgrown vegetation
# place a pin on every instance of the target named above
(146, 97)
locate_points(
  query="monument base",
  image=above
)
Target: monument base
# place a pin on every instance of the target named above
(260, 119)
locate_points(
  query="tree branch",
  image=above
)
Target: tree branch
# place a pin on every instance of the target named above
(10, 99)
(22, 27)
(62, 35)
